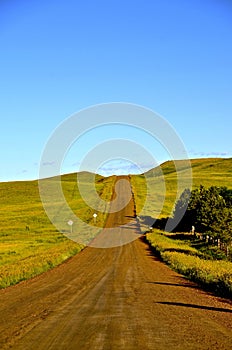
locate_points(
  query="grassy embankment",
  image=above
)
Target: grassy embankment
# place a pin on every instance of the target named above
(180, 255)
(29, 243)
(215, 275)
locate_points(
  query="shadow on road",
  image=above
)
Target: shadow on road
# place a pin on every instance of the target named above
(202, 307)
(175, 284)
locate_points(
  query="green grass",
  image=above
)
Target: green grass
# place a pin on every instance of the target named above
(25, 253)
(161, 243)
(24, 259)
(156, 191)
(215, 275)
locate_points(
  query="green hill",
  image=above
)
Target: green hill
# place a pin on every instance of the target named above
(207, 171)
(158, 186)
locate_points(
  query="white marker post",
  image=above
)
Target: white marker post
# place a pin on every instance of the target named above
(95, 217)
(70, 223)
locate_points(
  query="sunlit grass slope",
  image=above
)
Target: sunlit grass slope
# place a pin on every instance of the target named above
(160, 184)
(29, 243)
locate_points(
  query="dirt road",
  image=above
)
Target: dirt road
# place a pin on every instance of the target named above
(113, 298)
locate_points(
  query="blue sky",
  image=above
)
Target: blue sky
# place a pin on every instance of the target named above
(58, 57)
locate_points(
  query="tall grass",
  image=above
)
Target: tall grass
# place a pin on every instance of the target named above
(19, 266)
(215, 275)
(161, 244)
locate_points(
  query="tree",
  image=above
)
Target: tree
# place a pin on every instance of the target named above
(208, 209)
(180, 214)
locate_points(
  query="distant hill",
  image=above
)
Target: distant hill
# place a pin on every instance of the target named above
(158, 187)
(205, 171)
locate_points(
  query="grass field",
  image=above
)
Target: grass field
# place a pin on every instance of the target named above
(159, 186)
(29, 243)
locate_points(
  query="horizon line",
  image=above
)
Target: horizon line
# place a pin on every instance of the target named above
(127, 174)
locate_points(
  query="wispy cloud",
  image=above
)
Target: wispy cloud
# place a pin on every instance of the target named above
(51, 163)
(76, 164)
(210, 154)
(123, 167)
(23, 171)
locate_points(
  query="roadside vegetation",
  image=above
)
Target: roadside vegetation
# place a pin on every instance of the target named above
(209, 212)
(29, 243)
(201, 247)
(214, 275)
